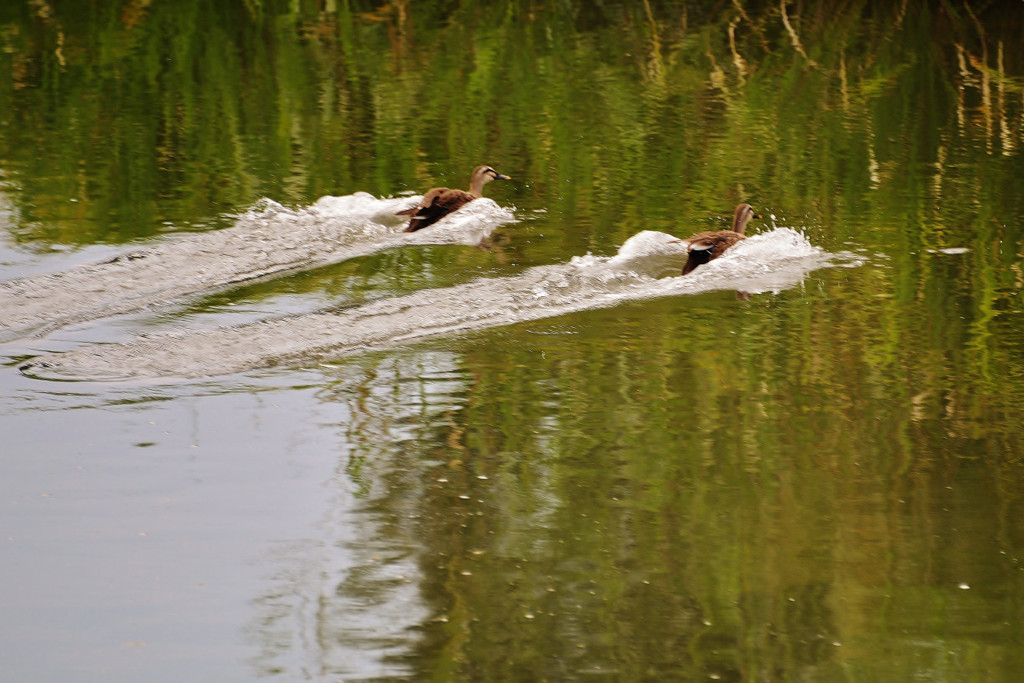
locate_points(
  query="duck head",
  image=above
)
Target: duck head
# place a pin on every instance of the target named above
(481, 176)
(744, 212)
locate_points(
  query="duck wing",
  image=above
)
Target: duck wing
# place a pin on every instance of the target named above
(706, 246)
(436, 204)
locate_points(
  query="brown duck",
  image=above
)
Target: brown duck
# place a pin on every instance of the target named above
(441, 201)
(707, 246)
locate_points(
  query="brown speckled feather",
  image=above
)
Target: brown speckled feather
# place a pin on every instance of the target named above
(436, 204)
(441, 201)
(707, 246)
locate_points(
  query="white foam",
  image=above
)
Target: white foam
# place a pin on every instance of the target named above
(771, 261)
(652, 253)
(952, 251)
(267, 240)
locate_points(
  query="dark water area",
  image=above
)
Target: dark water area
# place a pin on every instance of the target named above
(511, 449)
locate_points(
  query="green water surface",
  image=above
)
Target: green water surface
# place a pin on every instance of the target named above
(821, 484)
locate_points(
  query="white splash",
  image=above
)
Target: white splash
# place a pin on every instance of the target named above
(267, 240)
(771, 261)
(655, 254)
(952, 251)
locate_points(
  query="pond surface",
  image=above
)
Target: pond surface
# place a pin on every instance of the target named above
(253, 430)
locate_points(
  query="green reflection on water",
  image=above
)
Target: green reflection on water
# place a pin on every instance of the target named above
(790, 487)
(682, 489)
(119, 121)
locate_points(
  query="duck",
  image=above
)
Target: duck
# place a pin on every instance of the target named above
(441, 201)
(707, 246)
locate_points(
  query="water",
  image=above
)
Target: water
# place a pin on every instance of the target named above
(269, 241)
(768, 262)
(253, 430)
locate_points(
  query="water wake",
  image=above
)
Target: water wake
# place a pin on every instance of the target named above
(267, 240)
(771, 261)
